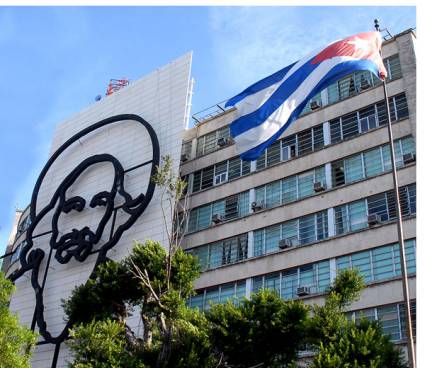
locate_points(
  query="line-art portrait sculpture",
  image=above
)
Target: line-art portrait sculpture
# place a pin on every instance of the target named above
(68, 237)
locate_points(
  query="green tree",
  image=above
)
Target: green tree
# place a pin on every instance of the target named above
(15, 340)
(342, 343)
(265, 331)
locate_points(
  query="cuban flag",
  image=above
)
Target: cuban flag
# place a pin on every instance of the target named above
(267, 108)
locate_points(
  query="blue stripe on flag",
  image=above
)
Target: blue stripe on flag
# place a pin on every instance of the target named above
(260, 85)
(339, 71)
(259, 116)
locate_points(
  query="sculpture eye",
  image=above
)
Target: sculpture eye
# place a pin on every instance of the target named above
(75, 203)
(100, 199)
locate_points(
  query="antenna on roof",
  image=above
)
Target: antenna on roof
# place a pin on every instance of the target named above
(116, 84)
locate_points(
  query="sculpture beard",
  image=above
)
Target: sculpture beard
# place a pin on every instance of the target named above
(78, 244)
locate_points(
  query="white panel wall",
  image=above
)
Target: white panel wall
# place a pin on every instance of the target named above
(162, 99)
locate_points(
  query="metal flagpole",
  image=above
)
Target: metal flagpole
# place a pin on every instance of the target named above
(405, 282)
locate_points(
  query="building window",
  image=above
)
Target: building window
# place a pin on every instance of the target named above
(226, 209)
(380, 263)
(392, 318)
(354, 216)
(23, 226)
(220, 173)
(300, 231)
(234, 291)
(368, 118)
(370, 163)
(290, 189)
(221, 253)
(313, 278)
(209, 142)
(358, 82)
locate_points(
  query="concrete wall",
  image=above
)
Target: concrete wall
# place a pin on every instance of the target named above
(161, 98)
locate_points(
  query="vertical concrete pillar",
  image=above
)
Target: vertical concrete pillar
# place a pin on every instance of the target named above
(193, 148)
(248, 287)
(332, 269)
(250, 244)
(328, 175)
(251, 199)
(326, 133)
(331, 222)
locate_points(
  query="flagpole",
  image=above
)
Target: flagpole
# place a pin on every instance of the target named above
(405, 281)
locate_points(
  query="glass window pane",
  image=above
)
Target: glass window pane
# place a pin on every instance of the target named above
(305, 184)
(307, 276)
(273, 153)
(261, 161)
(227, 293)
(231, 207)
(202, 253)
(335, 127)
(401, 106)
(273, 194)
(216, 256)
(373, 164)
(307, 229)
(386, 155)
(338, 173)
(341, 220)
(323, 276)
(350, 126)
(361, 261)
(204, 217)
(318, 140)
(393, 63)
(353, 169)
(383, 262)
(260, 194)
(388, 316)
(243, 204)
(333, 94)
(289, 189)
(322, 225)
(258, 242)
(289, 284)
(257, 284)
(272, 282)
(272, 238)
(290, 231)
(378, 204)
(211, 297)
(305, 143)
(207, 177)
(200, 146)
(210, 142)
(289, 148)
(358, 215)
(234, 168)
(197, 301)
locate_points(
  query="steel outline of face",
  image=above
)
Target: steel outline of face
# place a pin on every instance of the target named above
(31, 259)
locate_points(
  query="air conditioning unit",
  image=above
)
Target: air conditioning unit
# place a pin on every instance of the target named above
(285, 243)
(217, 218)
(374, 219)
(221, 142)
(184, 157)
(409, 158)
(319, 186)
(257, 206)
(314, 105)
(303, 291)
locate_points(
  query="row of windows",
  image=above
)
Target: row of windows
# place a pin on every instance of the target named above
(349, 86)
(226, 209)
(380, 263)
(315, 278)
(309, 229)
(392, 318)
(297, 232)
(304, 142)
(234, 291)
(358, 82)
(371, 163)
(354, 216)
(289, 189)
(348, 170)
(368, 118)
(220, 173)
(223, 252)
(211, 142)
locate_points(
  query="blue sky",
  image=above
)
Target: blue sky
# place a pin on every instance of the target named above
(55, 60)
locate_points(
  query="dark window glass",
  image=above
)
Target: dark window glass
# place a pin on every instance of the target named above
(378, 204)
(246, 167)
(335, 126)
(261, 161)
(401, 106)
(196, 186)
(207, 177)
(350, 126)
(289, 148)
(338, 175)
(305, 144)
(231, 207)
(234, 168)
(273, 153)
(318, 137)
